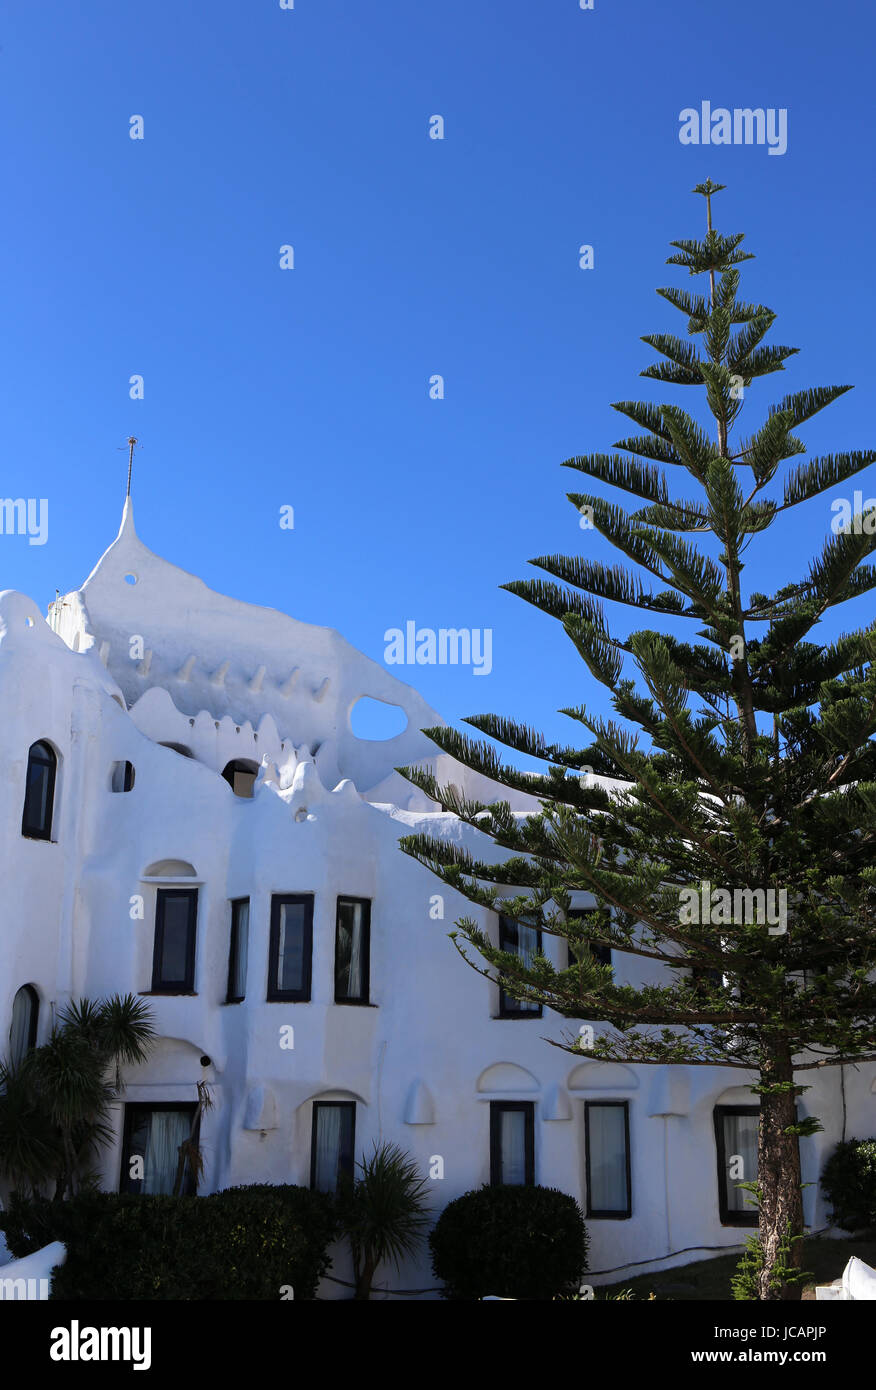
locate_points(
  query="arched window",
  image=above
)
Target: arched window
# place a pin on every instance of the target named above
(39, 792)
(240, 774)
(25, 1015)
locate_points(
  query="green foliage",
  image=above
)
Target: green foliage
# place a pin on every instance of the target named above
(242, 1243)
(55, 1105)
(517, 1242)
(383, 1213)
(622, 1296)
(805, 1128)
(744, 1283)
(849, 1184)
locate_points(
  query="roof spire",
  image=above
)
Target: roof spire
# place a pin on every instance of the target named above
(131, 443)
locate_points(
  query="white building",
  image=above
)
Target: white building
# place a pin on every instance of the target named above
(202, 827)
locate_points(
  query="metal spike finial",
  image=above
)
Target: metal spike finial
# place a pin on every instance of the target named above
(131, 443)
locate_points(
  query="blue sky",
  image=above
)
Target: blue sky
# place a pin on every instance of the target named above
(309, 387)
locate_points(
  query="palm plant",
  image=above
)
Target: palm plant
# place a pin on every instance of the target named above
(28, 1139)
(383, 1213)
(191, 1157)
(55, 1103)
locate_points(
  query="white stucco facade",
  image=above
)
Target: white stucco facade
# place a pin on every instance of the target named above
(143, 655)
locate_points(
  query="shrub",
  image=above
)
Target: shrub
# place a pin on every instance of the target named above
(383, 1213)
(849, 1184)
(517, 1242)
(744, 1283)
(242, 1243)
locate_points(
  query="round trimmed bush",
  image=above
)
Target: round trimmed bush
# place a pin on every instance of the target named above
(849, 1184)
(516, 1242)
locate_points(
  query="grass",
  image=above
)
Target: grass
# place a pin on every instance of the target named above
(710, 1279)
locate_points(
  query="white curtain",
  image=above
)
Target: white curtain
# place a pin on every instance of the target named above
(167, 1130)
(328, 1146)
(527, 945)
(606, 1133)
(512, 1140)
(350, 952)
(740, 1142)
(522, 941)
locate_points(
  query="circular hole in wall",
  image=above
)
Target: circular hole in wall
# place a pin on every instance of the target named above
(130, 579)
(28, 622)
(377, 720)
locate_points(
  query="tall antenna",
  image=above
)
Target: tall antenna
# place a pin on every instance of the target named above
(131, 442)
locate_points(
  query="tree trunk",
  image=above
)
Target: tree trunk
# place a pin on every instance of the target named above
(778, 1176)
(365, 1277)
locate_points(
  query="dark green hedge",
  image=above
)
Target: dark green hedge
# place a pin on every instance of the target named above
(516, 1242)
(245, 1242)
(849, 1184)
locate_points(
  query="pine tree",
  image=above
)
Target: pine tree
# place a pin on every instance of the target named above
(742, 762)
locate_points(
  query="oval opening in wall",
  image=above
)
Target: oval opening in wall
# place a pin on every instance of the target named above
(377, 720)
(130, 579)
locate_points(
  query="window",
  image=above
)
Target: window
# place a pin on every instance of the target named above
(173, 964)
(352, 946)
(150, 1148)
(813, 977)
(525, 942)
(601, 954)
(122, 777)
(512, 1142)
(331, 1148)
(25, 1015)
(240, 776)
(238, 952)
(39, 792)
(736, 1128)
(607, 1158)
(291, 947)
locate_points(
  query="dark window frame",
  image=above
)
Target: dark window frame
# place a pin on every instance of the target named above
(601, 954)
(126, 777)
(290, 996)
(593, 1212)
(187, 986)
(132, 1109)
(749, 1215)
(496, 1109)
(33, 1020)
(365, 903)
(234, 948)
(508, 1006)
(347, 1169)
(43, 831)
